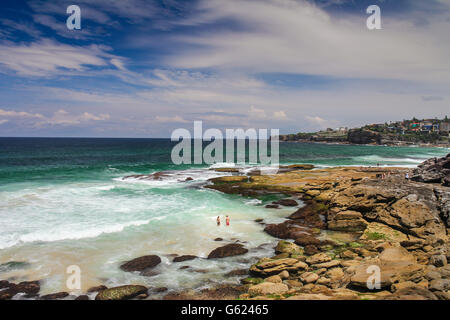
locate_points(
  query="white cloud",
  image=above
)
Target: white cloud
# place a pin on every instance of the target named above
(255, 112)
(46, 57)
(298, 37)
(281, 115)
(2, 121)
(174, 119)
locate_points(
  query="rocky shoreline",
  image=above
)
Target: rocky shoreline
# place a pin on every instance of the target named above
(354, 220)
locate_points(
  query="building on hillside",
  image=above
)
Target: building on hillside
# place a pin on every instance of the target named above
(415, 126)
(444, 127)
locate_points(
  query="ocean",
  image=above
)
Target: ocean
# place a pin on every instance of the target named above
(63, 202)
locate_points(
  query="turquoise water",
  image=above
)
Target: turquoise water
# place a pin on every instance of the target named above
(64, 202)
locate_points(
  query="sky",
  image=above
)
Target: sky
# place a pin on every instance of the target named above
(143, 68)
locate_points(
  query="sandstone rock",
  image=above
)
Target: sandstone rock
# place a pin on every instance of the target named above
(284, 274)
(309, 296)
(141, 263)
(327, 265)
(268, 267)
(228, 250)
(318, 258)
(293, 283)
(272, 206)
(305, 239)
(323, 281)
(414, 292)
(311, 250)
(335, 274)
(268, 288)
(439, 260)
(82, 297)
(347, 254)
(352, 225)
(309, 277)
(433, 170)
(288, 247)
(121, 293)
(273, 279)
(440, 285)
(309, 215)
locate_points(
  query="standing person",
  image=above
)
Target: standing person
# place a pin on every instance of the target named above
(407, 176)
(218, 220)
(228, 220)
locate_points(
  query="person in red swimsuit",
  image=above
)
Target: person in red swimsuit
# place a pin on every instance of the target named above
(228, 220)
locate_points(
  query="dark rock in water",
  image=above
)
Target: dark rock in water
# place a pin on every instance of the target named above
(259, 220)
(154, 176)
(286, 202)
(141, 263)
(218, 239)
(433, 171)
(82, 297)
(272, 206)
(305, 239)
(238, 272)
(288, 229)
(311, 250)
(13, 265)
(184, 267)
(4, 284)
(309, 215)
(54, 296)
(189, 179)
(229, 250)
(97, 289)
(28, 287)
(159, 290)
(7, 294)
(184, 258)
(121, 293)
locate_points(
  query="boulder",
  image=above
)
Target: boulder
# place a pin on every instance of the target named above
(267, 267)
(228, 250)
(318, 258)
(440, 285)
(274, 279)
(288, 247)
(184, 258)
(268, 288)
(309, 277)
(433, 171)
(97, 289)
(438, 260)
(54, 296)
(286, 202)
(306, 239)
(141, 263)
(121, 293)
(238, 272)
(82, 297)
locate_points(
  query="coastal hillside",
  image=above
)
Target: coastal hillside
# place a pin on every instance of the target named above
(406, 132)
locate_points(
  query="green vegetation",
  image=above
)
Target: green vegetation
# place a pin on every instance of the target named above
(375, 236)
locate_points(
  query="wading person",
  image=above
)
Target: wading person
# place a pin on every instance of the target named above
(228, 220)
(218, 220)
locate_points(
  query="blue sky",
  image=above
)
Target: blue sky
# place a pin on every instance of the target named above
(142, 68)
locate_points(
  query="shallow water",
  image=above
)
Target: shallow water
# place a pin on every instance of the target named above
(63, 202)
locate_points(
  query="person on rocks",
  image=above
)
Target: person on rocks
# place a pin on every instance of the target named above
(218, 220)
(228, 221)
(407, 176)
